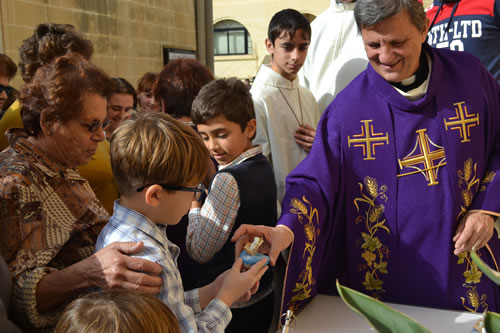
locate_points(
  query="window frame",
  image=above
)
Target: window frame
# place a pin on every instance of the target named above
(227, 31)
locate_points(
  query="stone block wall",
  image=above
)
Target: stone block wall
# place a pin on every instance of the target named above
(128, 35)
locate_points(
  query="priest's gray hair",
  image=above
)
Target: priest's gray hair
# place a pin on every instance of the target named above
(371, 12)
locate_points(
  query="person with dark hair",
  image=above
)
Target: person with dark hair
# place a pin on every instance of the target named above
(50, 218)
(121, 103)
(403, 178)
(468, 25)
(242, 191)
(286, 113)
(50, 40)
(178, 84)
(8, 70)
(145, 93)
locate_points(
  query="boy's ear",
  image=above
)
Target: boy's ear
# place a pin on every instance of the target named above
(251, 128)
(153, 194)
(269, 46)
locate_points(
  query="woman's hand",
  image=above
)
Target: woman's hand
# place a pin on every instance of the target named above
(112, 268)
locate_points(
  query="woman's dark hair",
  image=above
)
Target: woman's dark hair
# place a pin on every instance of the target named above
(58, 89)
(288, 21)
(50, 41)
(179, 83)
(122, 86)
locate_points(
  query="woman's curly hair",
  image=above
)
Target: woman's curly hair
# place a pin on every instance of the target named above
(58, 89)
(50, 41)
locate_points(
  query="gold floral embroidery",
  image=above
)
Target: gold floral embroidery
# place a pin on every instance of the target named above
(467, 182)
(488, 178)
(375, 253)
(469, 185)
(303, 287)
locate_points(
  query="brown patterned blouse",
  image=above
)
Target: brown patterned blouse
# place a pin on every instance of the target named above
(49, 220)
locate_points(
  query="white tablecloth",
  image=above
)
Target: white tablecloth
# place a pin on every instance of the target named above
(330, 314)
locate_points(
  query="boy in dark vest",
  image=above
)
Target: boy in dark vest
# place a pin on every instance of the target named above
(242, 191)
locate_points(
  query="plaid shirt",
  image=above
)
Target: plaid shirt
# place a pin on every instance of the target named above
(127, 225)
(210, 226)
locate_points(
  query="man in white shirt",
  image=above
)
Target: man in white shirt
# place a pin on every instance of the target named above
(336, 54)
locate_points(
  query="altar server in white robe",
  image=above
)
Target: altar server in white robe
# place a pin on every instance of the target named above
(287, 114)
(336, 54)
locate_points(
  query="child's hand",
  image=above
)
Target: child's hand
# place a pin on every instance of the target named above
(304, 136)
(240, 285)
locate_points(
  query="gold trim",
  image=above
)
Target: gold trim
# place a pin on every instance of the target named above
(374, 251)
(303, 287)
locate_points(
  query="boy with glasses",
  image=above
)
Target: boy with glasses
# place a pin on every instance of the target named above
(242, 191)
(158, 163)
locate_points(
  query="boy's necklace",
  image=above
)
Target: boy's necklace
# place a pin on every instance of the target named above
(301, 122)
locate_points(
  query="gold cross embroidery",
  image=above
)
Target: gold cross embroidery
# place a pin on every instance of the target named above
(425, 157)
(368, 140)
(463, 121)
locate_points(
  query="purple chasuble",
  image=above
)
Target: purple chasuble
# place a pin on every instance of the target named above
(378, 199)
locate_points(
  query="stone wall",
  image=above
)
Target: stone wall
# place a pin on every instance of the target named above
(128, 35)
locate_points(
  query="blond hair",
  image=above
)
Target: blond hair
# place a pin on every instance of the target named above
(155, 148)
(120, 311)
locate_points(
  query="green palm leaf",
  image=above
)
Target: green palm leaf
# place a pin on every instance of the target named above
(382, 317)
(492, 322)
(491, 273)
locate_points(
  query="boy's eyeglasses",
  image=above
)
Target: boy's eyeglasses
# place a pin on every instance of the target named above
(95, 125)
(7, 89)
(198, 190)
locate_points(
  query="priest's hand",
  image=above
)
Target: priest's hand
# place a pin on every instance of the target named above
(474, 231)
(276, 239)
(304, 136)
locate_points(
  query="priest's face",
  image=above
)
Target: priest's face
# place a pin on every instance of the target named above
(393, 46)
(288, 53)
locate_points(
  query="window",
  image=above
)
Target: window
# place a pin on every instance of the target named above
(231, 38)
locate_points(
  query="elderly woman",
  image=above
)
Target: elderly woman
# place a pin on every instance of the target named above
(49, 216)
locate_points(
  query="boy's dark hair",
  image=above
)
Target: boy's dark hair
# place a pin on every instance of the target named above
(288, 21)
(228, 97)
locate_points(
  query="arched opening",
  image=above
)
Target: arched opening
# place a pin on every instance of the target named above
(231, 38)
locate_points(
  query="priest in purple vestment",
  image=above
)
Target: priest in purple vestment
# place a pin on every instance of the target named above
(400, 183)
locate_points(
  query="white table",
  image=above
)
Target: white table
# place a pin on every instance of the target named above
(329, 313)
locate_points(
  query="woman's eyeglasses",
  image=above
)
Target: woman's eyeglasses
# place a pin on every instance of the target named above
(198, 190)
(95, 125)
(7, 89)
